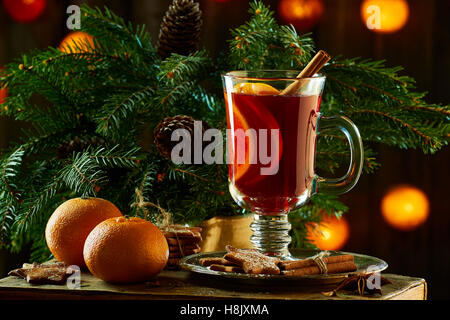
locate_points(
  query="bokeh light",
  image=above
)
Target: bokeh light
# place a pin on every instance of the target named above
(302, 14)
(405, 207)
(331, 234)
(385, 16)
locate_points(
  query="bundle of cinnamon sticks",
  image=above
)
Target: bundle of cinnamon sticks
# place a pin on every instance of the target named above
(334, 264)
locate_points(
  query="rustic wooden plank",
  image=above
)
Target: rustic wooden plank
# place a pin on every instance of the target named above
(183, 285)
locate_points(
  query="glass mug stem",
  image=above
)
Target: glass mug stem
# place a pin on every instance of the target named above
(271, 235)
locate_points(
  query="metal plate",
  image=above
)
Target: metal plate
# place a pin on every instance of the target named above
(364, 263)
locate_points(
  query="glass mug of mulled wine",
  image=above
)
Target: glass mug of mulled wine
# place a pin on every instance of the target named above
(271, 149)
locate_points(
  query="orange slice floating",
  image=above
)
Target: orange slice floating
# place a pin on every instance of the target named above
(240, 122)
(247, 114)
(258, 116)
(255, 88)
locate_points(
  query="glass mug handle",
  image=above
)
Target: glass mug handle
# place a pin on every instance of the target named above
(348, 181)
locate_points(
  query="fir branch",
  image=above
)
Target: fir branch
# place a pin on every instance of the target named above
(178, 69)
(170, 96)
(108, 24)
(35, 204)
(370, 93)
(183, 172)
(114, 158)
(113, 33)
(120, 109)
(7, 218)
(53, 91)
(83, 175)
(10, 171)
(262, 44)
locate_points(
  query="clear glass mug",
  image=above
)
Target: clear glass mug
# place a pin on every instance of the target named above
(271, 147)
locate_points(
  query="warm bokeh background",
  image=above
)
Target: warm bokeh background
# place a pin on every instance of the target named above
(422, 47)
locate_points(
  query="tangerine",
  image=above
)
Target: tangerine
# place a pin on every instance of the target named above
(71, 223)
(126, 250)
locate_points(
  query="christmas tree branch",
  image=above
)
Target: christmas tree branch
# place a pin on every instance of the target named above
(118, 109)
(36, 203)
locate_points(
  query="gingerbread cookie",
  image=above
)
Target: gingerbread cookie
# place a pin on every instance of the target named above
(184, 241)
(217, 261)
(183, 253)
(252, 261)
(50, 273)
(219, 267)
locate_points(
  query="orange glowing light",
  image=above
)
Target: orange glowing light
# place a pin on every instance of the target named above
(303, 14)
(385, 16)
(25, 11)
(405, 207)
(80, 39)
(331, 234)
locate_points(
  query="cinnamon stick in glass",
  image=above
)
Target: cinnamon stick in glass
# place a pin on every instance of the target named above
(319, 60)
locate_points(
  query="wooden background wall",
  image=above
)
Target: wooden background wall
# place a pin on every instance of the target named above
(422, 47)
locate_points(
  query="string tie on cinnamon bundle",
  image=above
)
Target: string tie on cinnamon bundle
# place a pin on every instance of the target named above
(319, 261)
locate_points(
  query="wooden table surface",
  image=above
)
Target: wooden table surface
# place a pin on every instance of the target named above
(185, 285)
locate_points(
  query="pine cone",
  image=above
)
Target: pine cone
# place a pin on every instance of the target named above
(180, 29)
(165, 128)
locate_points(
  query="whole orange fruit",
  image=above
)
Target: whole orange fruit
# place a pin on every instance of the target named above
(125, 250)
(71, 223)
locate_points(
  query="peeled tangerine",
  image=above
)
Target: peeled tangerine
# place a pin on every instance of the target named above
(255, 89)
(125, 250)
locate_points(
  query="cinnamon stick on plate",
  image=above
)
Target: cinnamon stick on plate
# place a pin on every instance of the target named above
(296, 264)
(339, 267)
(310, 70)
(334, 264)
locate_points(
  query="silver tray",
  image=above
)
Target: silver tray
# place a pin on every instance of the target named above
(364, 264)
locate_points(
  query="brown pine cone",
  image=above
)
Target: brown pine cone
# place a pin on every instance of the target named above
(180, 29)
(164, 130)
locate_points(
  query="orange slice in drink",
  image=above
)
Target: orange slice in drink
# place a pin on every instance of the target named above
(259, 117)
(255, 89)
(239, 122)
(249, 113)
